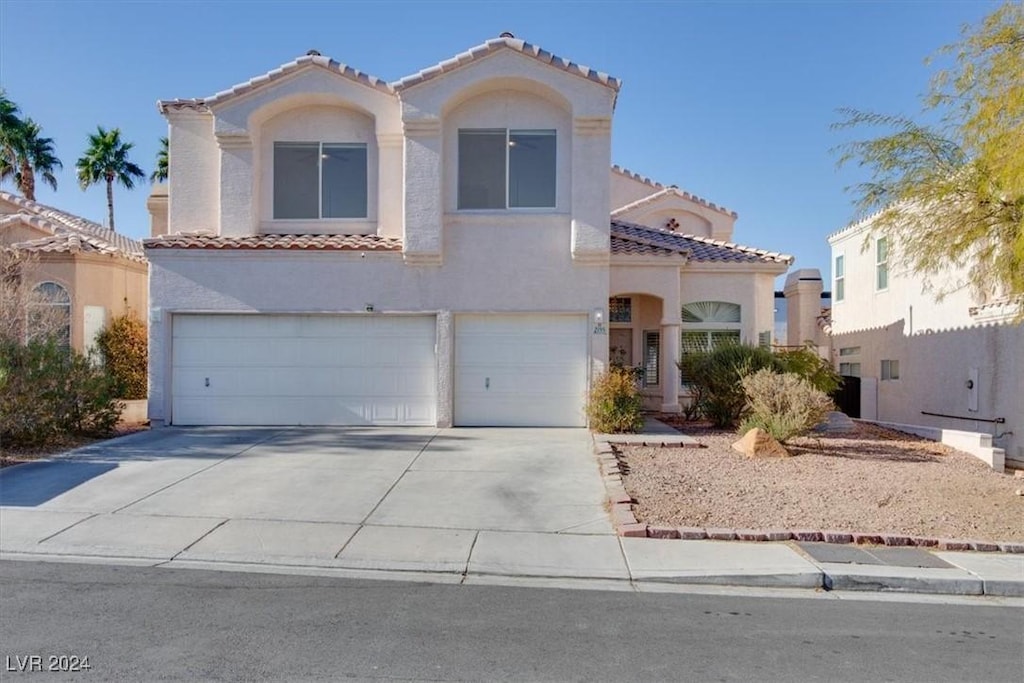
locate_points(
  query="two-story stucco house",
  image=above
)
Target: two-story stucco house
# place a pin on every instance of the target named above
(952, 362)
(450, 248)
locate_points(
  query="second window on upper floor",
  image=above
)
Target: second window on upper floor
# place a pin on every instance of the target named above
(501, 168)
(314, 180)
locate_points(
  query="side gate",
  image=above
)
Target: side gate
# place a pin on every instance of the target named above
(847, 396)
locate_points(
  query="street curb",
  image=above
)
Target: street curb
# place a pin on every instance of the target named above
(626, 524)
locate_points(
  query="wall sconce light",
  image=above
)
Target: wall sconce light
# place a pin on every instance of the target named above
(369, 308)
(598, 316)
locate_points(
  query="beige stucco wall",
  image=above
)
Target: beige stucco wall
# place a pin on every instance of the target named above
(625, 189)
(934, 369)
(504, 108)
(749, 287)
(157, 204)
(315, 124)
(193, 168)
(116, 284)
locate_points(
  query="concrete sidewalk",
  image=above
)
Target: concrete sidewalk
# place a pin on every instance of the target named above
(442, 505)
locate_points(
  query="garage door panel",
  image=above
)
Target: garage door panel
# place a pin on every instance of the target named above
(333, 370)
(521, 370)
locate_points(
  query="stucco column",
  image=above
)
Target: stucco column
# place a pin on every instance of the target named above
(669, 369)
(445, 368)
(236, 186)
(591, 200)
(423, 207)
(390, 154)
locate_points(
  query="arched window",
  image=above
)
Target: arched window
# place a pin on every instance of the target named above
(708, 325)
(711, 312)
(49, 313)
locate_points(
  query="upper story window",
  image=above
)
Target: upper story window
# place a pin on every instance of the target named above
(315, 180)
(839, 290)
(882, 263)
(501, 168)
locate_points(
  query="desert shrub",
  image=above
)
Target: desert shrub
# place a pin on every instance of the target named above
(714, 377)
(784, 405)
(806, 363)
(123, 344)
(615, 403)
(48, 392)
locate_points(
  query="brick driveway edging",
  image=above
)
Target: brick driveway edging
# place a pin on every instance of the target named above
(626, 524)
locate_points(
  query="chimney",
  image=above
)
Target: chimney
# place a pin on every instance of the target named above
(803, 306)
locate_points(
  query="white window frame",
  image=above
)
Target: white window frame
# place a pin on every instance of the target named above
(839, 279)
(849, 367)
(508, 177)
(68, 307)
(650, 381)
(886, 371)
(320, 182)
(881, 265)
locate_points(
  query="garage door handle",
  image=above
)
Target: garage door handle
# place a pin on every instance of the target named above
(207, 381)
(487, 383)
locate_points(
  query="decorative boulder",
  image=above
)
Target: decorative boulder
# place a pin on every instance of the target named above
(757, 443)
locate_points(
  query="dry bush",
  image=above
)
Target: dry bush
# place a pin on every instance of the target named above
(124, 347)
(784, 405)
(615, 403)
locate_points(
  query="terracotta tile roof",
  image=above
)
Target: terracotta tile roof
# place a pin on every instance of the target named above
(636, 248)
(507, 42)
(204, 103)
(60, 222)
(487, 48)
(197, 240)
(67, 242)
(643, 201)
(702, 249)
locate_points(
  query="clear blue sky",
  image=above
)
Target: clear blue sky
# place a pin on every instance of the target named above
(729, 100)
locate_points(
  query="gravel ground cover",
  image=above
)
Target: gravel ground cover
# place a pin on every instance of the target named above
(869, 480)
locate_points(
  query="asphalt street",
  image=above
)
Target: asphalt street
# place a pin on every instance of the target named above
(158, 624)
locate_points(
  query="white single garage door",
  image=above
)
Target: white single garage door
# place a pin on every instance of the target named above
(303, 370)
(520, 370)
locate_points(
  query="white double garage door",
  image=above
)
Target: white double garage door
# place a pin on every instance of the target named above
(508, 370)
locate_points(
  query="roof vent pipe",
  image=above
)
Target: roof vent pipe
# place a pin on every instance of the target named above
(506, 34)
(313, 53)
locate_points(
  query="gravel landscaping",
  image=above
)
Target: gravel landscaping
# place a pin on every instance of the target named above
(870, 480)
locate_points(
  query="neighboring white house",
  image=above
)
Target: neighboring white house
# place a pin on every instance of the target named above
(449, 248)
(955, 362)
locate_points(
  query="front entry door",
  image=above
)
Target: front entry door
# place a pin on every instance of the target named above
(620, 347)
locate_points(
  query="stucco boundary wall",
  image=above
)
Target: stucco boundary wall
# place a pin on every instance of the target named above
(620, 508)
(952, 384)
(135, 411)
(977, 444)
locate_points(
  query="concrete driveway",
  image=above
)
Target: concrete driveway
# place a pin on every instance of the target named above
(452, 500)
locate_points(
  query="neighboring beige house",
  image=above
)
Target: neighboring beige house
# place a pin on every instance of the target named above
(450, 248)
(955, 363)
(92, 273)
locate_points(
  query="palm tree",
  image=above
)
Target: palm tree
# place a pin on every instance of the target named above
(162, 157)
(107, 159)
(33, 154)
(10, 126)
